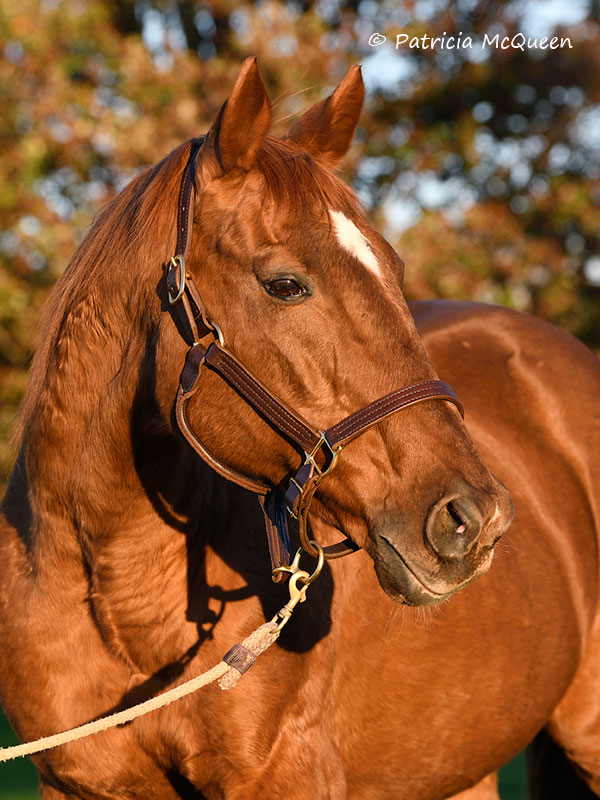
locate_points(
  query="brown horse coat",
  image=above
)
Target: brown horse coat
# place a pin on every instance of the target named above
(128, 565)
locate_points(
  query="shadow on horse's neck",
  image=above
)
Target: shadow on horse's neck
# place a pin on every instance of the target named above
(130, 493)
(215, 516)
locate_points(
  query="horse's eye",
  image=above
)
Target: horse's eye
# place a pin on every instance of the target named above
(284, 288)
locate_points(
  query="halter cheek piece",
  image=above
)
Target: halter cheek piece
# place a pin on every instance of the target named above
(321, 448)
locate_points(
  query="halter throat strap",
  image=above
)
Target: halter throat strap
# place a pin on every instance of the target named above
(321, 448)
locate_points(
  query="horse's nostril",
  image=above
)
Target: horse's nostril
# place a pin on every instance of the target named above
(459, 520)
(452, 528)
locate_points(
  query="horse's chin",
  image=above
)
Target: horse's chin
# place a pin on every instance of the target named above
(403, 583)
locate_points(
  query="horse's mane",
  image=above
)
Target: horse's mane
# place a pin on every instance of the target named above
(102, 289)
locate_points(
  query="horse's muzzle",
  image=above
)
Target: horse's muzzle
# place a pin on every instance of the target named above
(456, 547)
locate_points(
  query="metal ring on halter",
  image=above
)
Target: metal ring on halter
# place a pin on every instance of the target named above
(320, 561)
(294, 567)
(219, 332)
(175, 260)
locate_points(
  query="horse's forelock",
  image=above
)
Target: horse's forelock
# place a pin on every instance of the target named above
(297, 182)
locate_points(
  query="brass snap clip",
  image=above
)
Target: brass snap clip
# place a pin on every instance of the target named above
(297, 593)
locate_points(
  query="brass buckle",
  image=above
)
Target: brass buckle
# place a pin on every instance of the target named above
(174, 262)
(179, 261)
(310, 457)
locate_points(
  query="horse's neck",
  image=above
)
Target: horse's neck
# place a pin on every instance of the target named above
(117, 498)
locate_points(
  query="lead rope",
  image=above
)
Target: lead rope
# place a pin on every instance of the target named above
(228, 671)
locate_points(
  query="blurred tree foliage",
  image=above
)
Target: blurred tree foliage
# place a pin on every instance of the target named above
(482, 167)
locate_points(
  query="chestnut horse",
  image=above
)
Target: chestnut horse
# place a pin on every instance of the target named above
(129, 565)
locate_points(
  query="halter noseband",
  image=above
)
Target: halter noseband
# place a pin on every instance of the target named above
(321, 447)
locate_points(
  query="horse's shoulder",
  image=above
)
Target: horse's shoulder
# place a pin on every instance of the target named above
(454, 317)
(490, 337)
(511, 369)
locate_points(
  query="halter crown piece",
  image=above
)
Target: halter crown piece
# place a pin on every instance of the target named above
(321, 448)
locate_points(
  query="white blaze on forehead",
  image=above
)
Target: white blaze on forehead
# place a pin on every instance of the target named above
(354, 241)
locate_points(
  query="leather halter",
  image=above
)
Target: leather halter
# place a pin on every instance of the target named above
(321, 448)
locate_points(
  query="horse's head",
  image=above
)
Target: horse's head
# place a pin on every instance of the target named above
(309, 296)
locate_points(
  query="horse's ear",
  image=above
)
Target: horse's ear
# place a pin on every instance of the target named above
(243, 121)
(326, 130)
